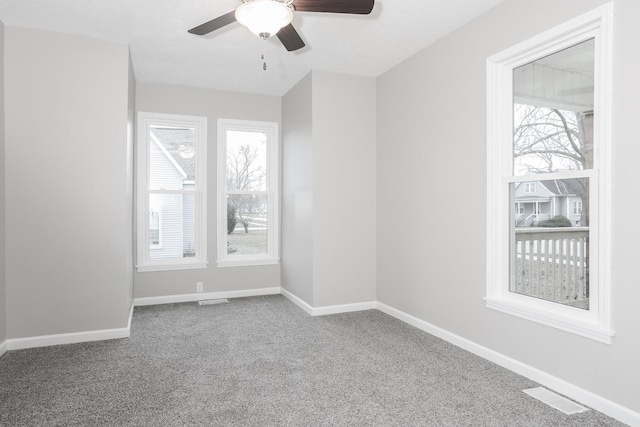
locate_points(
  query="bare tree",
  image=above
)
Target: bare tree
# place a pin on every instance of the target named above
(244, 174)
(250, 207)
(551, 140)
(548, 139)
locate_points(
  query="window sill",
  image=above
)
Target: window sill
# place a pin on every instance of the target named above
(247, 261)
(170, 267)
(569, 319)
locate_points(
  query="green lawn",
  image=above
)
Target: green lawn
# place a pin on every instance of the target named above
(251, 243)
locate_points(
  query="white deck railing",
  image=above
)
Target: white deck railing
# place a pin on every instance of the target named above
(552, 264)
(522, 221)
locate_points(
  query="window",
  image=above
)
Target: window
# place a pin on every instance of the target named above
(577, 207)
(548, 126)
(529, 187)
(171, 192)
(155, 228)
(247, 193)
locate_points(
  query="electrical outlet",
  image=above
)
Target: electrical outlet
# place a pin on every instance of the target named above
(199, 286)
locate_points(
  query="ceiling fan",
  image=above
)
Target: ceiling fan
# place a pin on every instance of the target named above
(266, 18)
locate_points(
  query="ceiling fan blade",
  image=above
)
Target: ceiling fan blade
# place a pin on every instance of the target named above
(361, 7)
(214, 24)
(290, 38)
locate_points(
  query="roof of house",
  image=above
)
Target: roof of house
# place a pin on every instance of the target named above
(565, 187)
(180, 144)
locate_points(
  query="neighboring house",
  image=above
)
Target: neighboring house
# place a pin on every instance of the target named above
(537, 201)
(171, 216)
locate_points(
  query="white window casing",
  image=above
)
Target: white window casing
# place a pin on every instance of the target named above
(192, 195)
(270, 192)
(594, 322)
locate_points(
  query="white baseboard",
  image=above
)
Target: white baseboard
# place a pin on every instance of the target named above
(343, 308)
(297, 301)
(71, 338)
(572, 391)
(130, 318)
(170, 299)
(3, 348)
(329, 309)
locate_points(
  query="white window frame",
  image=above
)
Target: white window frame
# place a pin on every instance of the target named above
(272, 192)
(594, 323)
(145, 122)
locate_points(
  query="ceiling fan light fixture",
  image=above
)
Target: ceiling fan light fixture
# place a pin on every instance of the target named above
(264, 18)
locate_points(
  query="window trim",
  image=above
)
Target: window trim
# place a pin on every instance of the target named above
(273, 185)
(594, 323)
(144, 121)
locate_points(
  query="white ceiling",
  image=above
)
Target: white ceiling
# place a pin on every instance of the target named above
(229, 58)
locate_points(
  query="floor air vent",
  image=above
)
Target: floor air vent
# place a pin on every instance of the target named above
(212, 301)
(555, 400)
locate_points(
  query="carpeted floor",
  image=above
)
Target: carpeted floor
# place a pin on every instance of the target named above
(264, 362)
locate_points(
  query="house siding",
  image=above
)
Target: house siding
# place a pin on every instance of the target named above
(165, 176)
(163, 173)
(189, 223)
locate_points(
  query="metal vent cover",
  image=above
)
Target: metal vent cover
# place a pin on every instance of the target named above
(213, 301)
(555, 400)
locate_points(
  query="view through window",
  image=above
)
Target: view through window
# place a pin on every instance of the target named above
(247, 197)
(247, 192)
(553, 114)
(172, 210)
(171, 192)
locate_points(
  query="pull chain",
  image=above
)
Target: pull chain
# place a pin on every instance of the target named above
(264, 63)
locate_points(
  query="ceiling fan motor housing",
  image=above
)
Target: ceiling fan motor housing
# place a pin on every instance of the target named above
(264, 18)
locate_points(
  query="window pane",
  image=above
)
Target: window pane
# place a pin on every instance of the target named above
(550, 241)
(176, 225)
(172, 157)
(246, 161)
(246, 224)
(553, 112)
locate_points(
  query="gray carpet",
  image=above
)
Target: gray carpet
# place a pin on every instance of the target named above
(264, 362)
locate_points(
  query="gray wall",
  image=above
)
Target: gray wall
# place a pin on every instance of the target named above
(344, 188)
(67, 217)
(129, 212)
(329, 195)
(3, 303)
(621, 361)
(431, 187)
(156, 98)
(297, 191)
